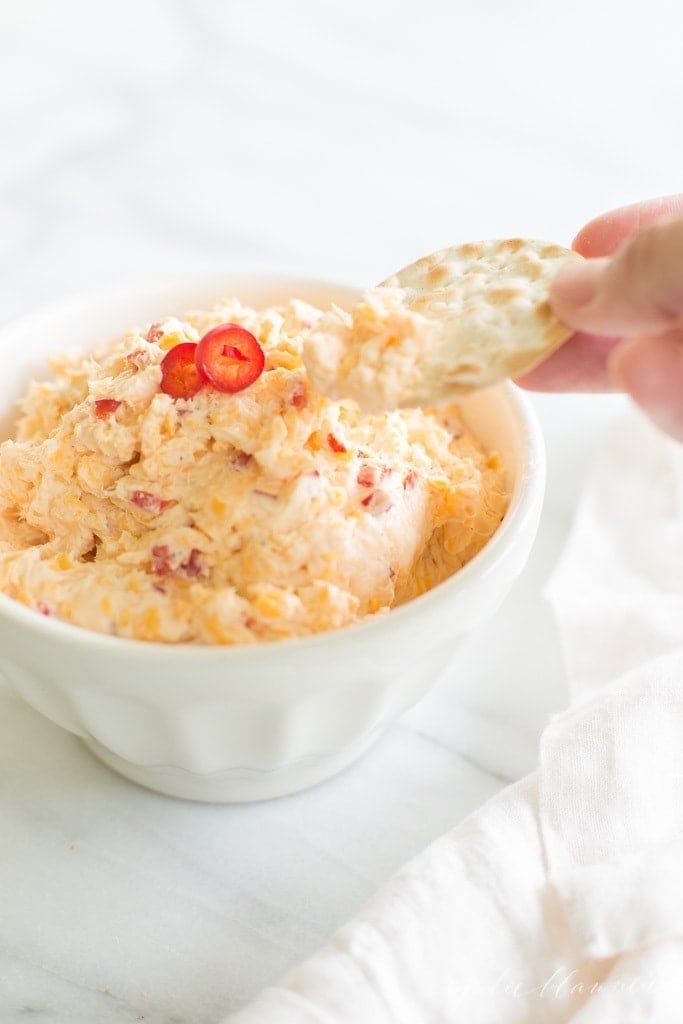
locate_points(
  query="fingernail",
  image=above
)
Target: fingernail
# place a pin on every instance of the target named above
(577, 284)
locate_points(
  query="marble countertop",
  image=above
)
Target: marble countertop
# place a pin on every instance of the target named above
(341, 141)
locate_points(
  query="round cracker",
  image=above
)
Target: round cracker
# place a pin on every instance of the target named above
(492, 298)
(455, 321)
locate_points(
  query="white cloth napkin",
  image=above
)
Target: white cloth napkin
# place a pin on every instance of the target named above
(562, 898)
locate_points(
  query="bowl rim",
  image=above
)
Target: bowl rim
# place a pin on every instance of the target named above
(525, 498)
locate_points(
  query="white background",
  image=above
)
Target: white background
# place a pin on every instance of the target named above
(341, 140)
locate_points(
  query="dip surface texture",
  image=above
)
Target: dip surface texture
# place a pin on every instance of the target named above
(230, 518)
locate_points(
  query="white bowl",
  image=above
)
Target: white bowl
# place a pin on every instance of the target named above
(259, 721)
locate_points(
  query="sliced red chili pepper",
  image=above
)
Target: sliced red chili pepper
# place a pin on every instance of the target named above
(180, 377)
(230, 358)
(104, 407)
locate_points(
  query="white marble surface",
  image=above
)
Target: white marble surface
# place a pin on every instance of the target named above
(341, 140)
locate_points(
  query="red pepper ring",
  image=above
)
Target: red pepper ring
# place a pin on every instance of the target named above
(180, 377)
(230, 358)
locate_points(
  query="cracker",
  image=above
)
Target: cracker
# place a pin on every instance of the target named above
(455, 321)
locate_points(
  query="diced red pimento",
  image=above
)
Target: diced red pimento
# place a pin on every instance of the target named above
(335, 444)
(241, 458)
(180, 377)
(193, 566)
(149, 502)
(154, 334)
(164, 563)
(377, 502)
(161, 559)
(137, 359)
(105, 407)
(368, 475)
(299, 397)
(230, 358)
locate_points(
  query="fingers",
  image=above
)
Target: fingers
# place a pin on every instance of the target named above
(579, 365)
(627, 312)
(604, 234)
(639, 291)
(651, 371)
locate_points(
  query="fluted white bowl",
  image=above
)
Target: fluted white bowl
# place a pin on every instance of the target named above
(259, 721)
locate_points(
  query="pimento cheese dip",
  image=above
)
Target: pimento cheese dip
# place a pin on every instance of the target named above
(230, 518)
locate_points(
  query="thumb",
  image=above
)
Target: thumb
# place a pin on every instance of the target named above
(637, 291)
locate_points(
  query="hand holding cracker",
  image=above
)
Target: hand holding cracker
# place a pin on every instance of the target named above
(459, 319)
(626, 307)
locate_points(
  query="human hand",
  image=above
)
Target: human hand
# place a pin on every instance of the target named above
(625, 303)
